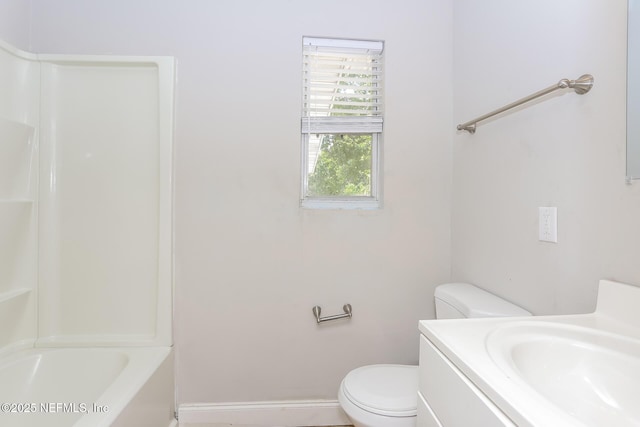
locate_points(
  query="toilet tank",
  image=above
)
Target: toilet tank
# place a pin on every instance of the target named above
(462, 300)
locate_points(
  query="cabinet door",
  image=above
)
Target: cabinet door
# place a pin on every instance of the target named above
(453, 398)
(426, 417)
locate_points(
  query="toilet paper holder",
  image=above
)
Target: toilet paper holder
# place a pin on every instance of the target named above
(347, 313)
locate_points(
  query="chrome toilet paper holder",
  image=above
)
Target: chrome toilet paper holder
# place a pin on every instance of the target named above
(347, 313)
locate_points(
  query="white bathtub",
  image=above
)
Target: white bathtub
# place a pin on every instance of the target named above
(87, 387)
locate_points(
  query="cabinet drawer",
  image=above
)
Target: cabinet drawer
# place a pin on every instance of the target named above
(454, 399)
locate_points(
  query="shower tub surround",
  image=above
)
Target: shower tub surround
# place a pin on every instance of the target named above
(85, 240)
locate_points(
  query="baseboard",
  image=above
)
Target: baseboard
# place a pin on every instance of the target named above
(291, 413)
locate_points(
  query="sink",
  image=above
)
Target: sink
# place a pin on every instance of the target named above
(589, 374)
(573, 370)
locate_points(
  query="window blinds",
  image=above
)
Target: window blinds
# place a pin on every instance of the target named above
(342, 86)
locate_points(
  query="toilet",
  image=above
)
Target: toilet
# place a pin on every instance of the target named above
(386, 395)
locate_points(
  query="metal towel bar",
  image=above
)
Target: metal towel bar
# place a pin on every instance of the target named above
(317, 310)
(581, 86)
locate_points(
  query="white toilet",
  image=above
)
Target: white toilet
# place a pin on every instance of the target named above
(386, 395)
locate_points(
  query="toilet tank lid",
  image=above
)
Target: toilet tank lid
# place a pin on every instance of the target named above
(472, 301)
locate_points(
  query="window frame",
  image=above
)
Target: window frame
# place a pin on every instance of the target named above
(374, 201)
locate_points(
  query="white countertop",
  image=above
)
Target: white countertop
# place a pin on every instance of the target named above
(465, 343)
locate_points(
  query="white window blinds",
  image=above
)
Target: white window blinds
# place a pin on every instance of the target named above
(342, 86)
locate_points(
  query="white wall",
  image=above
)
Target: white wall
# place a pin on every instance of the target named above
(15, 22)
(568, 151)
(250, 264)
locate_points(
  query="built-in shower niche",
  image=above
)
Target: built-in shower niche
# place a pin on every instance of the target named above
(17, 155)
(16, 247)
(18, 160)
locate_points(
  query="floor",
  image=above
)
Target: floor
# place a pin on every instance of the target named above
(234, 425)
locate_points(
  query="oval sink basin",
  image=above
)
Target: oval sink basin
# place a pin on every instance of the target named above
(591, 375)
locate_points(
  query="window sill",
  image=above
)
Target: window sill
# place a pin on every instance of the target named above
(351, 203)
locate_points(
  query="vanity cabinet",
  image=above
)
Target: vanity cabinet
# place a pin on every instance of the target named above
(447, 398)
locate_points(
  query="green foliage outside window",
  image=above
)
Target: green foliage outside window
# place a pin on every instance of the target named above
(343, 167)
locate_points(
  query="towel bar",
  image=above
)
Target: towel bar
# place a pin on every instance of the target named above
(581, 85)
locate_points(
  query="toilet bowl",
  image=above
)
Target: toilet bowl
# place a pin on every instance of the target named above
(386, 395)
(380, 395)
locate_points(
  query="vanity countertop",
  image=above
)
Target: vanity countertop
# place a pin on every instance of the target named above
(544, 371)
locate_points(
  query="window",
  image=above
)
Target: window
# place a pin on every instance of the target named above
(341, 123)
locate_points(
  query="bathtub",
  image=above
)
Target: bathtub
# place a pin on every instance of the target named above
(87, 387)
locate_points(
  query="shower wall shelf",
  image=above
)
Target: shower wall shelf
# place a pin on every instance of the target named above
(12, 294)
(19, 85)
(17, 249)
(581, 85)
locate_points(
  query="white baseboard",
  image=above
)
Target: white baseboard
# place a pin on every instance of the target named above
(291, 413)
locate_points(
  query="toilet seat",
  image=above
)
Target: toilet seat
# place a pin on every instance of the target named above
(389, 390)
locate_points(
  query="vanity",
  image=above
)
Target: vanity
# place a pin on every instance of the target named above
(546, 371)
